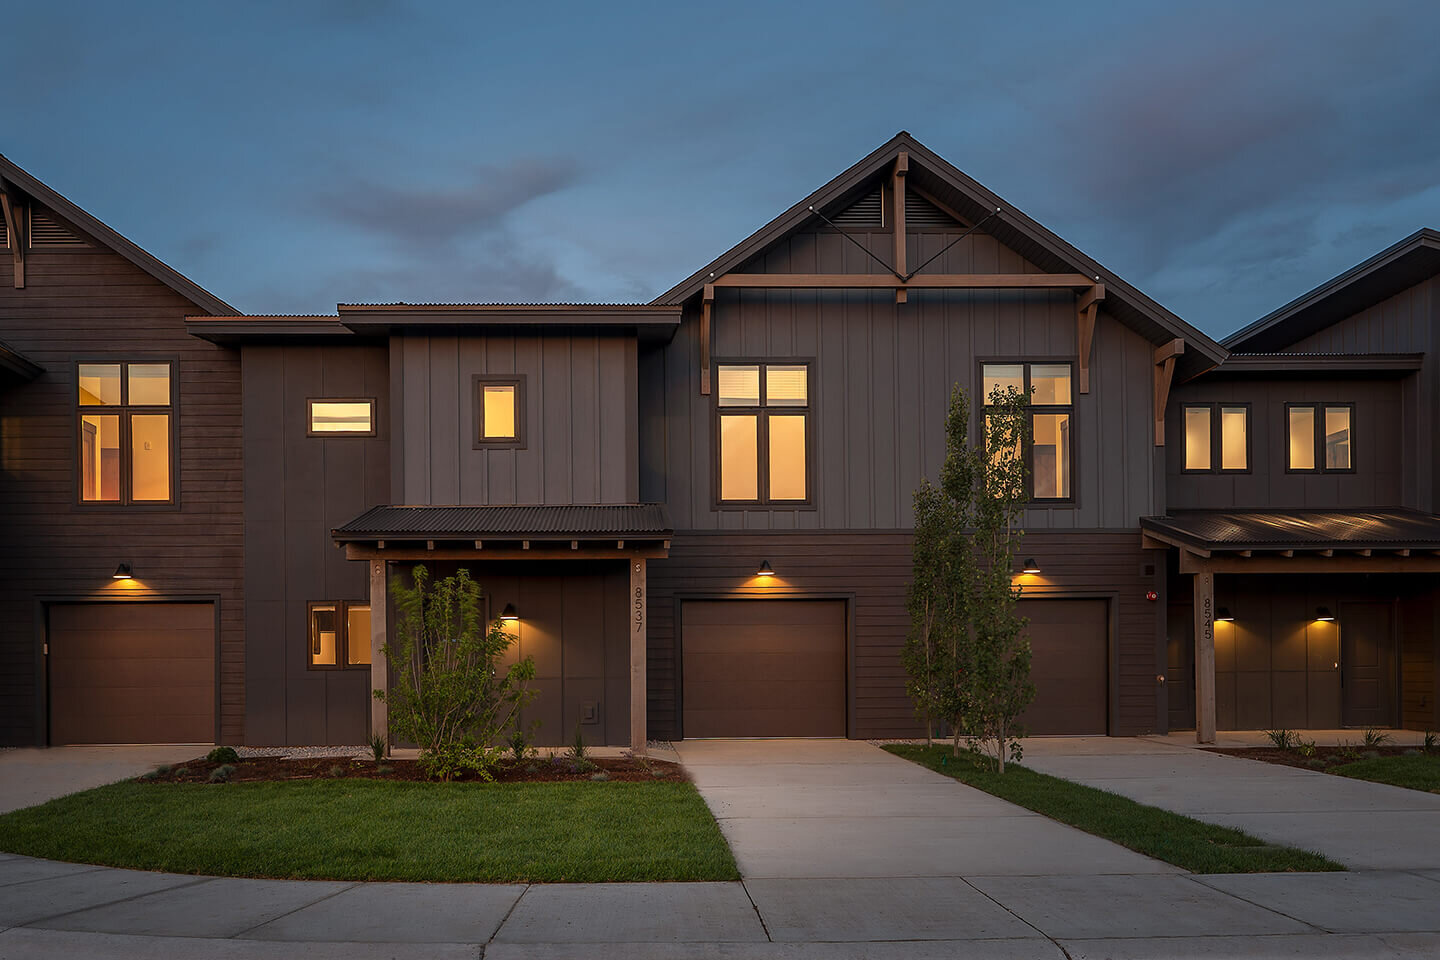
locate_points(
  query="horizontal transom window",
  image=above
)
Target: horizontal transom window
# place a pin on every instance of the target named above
(329, 417)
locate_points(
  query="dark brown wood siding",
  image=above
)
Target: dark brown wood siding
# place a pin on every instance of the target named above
(89, 302)
(870, 570)
(297, 489)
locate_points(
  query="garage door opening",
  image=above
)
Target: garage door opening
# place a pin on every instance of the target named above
(1069, 665)
(131, 672)
(763, 668)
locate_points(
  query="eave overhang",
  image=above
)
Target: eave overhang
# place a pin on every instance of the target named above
(16, 366)
(1319, 364)
(646, 321)
(1382, 540)
(233, 331)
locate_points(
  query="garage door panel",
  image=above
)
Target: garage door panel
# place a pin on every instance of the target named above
(1069, 666)
(131, 673)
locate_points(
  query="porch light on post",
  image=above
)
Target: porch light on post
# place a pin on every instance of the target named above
(122, 572)
(765, 569)
(1324, 614)
(508, 615)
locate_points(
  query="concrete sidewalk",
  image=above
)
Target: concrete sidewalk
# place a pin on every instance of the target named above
(31, 775)
(1366, 826)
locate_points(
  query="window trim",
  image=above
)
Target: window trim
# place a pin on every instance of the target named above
(1217, 438)
(1319, 407)
(124, 410)
(310, 430)
(478, 383)
(342, 640)
(762, 433)
(1026, 362)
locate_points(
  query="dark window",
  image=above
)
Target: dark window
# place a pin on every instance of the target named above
(1217, 437)
(1051, 456)
(762, 412)
(1320, 437)
(500, 412)
(126, 422)
(339, 635)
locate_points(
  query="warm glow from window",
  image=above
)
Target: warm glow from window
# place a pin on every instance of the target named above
(739, 386)
(100, 456)
(1050, 456)
(1302, 438)
(785, 386)
(341, 416)
(1337, 438)
(150, 456)
(787, 457)
(498, 401)
(357, 635)
(324, 635)
(1197, 438)
(1051, 383)
(1234, 447)
(739, 457)
(149, 384)
(99, 384)
(1000, 376)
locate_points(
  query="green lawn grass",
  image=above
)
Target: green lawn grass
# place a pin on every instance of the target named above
(1418, 772)
(379, 830)
(1180, 840)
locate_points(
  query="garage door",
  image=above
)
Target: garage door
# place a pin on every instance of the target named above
(763, 668)
(132, 673)
(1069, 665)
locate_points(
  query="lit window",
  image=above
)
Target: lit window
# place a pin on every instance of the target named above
(1320, 437)
(500, 412)
(1217, 437)
(329, 417)
(1051, 452)
(762, 426)
(126, 432)
(339, 635)
(1302, 438)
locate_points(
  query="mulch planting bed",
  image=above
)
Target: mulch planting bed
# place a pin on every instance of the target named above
(1328, 756)
(539, 770)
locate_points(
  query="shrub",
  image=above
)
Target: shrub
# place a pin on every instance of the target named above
(1306, 748)
(384, 769)
(1347, 752)
(222, 774)
(1431, 741)
(181, 771)
(578, 748)
(378, 746)
(223, 755)
(600, 777)
(448, 693)
(1315, 762)
(1376, 738)
(520, 749)
(1283, 739)
(337, 770)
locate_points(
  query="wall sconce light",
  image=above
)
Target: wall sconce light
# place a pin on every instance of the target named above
(122, 572)
(1223, 615)
(765, 569)
(1323, 613)
(1031, 566)
(508, 615)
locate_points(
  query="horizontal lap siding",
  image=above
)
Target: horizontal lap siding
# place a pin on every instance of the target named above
(873, 568)
(91, 303)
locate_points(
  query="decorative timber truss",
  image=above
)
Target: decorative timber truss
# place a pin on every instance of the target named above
(12, 205)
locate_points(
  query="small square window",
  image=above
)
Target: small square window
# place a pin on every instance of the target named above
(339, 635)
(499, 412)
(340, 417)
(786, 385)
(99, 384)
(739, 386)
(149, 384)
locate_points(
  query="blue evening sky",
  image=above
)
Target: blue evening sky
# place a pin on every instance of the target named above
(1224, 157)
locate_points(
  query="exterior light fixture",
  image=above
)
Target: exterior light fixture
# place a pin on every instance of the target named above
(508, 615)
(765, 569)
(122, 572)
(1323, 613)
(1031, 566)
(1223, 615)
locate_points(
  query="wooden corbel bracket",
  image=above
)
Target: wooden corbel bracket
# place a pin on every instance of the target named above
(1164, 372)
(1086, 306)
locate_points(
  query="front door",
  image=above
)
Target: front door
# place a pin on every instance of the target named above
(1367, 665)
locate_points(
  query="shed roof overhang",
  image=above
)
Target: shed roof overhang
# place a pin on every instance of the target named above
(1299, 541)
(533, 532)
(16, 366)
(1300, 365)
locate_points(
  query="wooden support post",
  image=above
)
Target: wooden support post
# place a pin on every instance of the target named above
(638, 736)
(706, 306)
(1164, 372)
(379, 668)
(1086, 307)
(902, 166)
(1204, 656)
(15, 226)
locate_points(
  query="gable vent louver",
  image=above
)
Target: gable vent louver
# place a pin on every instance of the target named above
(865, 212)
(920, 212)
(46, 231)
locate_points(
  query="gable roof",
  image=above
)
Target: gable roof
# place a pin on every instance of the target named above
(12, 174)
(1014, 229)
(1382, 276)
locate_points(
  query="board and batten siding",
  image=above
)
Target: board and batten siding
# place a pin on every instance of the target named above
(580, 420)
(297, 489)
(89, 302)
(881, 386)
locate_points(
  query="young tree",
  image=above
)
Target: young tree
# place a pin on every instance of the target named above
(927, 600)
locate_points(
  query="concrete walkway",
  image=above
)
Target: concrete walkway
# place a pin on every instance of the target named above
(31, 775)
(1366, 826)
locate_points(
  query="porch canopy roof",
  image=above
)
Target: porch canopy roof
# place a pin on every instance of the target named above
(1379, 540)
(554, 531)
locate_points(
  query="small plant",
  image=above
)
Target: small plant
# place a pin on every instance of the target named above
(1412, 752)
(1432, 741)
(459, 759)
(337, 771)
(638, 759)
(1315, 762)
(223, 755)
(384, 769)
(1283, 739)
(578, 749)
(222, 774)
(520, 749)
(600, 777)
(1306, 749)
(659, 772)
(1348, 752)
(181, 772)
(532, 768)
(1376, 738)
(1372, 754)
(378, 746)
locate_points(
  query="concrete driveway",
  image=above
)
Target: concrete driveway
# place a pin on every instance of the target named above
(1366, 826)
(31, 775)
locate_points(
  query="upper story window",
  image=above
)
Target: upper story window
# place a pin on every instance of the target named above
(1051, 462)
(1217, 437)
(1320, 437)
(763, 430)
(500, 412)
(339, 635)
(126, 432)
(342, 418)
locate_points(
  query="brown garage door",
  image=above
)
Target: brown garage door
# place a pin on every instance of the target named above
(1069, 665)
(763, 668)
(132, 673)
